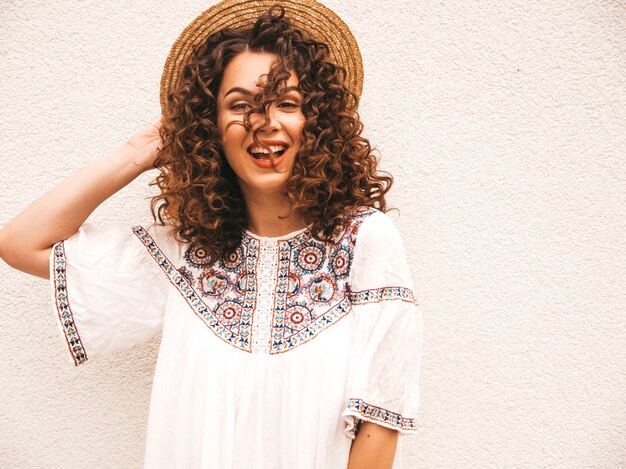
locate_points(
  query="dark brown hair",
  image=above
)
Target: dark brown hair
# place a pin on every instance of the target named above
(334, 172)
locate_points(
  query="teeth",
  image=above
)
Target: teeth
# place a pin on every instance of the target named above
(274, 148)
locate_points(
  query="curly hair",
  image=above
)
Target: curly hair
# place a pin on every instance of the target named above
(334, 172)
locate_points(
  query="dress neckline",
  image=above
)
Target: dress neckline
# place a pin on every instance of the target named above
(287, 236)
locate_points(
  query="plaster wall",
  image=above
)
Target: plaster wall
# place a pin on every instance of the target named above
(503, 124)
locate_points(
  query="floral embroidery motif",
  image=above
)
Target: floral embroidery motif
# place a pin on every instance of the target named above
(310, 258)
(198, 256)
(229, 313)
(234, 259)
(62, 303)
(380, 415)
(320, 297)
(341, 262)
(296, 316)
(231, 318)
(322, 289)
(214, 284)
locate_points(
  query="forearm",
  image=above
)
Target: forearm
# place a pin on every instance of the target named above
(62, 210)
(373, 448)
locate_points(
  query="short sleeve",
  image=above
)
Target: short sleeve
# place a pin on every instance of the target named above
(107, 291)
(385, 357)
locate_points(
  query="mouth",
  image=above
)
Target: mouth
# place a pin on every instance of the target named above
(270, 156)
(263, 154)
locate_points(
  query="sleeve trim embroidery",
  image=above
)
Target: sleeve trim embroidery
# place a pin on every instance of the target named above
(376, 295)
(62, 304)
(381, 416)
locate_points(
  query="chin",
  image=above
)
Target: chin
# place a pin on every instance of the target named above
(265, 183)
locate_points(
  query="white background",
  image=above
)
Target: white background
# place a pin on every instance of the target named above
(504, 124)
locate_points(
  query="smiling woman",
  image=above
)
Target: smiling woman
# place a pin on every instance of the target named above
(274, 141)
(272, 84)
(291, 336)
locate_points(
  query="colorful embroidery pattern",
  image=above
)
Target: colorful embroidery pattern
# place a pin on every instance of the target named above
(382, 294)
(63, 306)
(312, 287)
(310, 294)
(384, 416)
(230, 318)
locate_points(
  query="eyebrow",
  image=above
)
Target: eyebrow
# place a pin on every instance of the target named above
(237, 89)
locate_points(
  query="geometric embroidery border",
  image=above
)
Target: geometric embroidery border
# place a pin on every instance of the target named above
(381, 415)
(62, 303)
(375, 295)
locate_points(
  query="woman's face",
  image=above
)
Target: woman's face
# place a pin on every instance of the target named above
(257, 173)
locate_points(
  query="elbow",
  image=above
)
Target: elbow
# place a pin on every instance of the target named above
(15, 255)
(8, 249)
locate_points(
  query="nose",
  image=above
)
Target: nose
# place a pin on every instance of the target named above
(258, 120)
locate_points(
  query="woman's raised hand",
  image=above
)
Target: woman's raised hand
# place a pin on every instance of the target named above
(26, 242)
(145, 145)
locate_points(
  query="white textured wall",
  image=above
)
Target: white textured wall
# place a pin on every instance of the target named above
(505, 126)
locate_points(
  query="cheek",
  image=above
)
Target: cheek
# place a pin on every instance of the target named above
(230, 133)
(223, 128)
(297, 124)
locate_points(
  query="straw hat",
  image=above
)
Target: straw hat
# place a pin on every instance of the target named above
(310, 16)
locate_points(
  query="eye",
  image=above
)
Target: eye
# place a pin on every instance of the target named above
(239, 106)
(289, 105)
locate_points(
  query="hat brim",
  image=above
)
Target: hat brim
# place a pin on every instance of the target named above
(310, 16)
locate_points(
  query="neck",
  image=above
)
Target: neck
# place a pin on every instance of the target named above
(264, 210)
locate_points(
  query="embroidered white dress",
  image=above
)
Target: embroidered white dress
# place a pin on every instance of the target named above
(267, 360)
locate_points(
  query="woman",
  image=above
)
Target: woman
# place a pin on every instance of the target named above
(290, 332)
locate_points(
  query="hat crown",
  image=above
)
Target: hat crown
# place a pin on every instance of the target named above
(316, 20)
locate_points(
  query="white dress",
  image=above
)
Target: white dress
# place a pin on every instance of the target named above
(267, 360)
